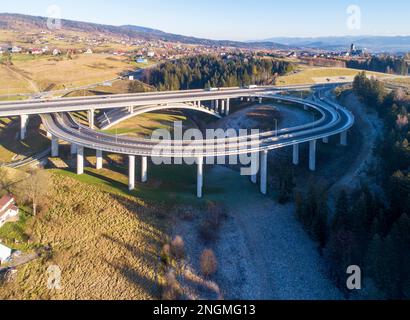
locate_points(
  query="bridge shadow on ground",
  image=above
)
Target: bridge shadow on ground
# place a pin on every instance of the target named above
(149, 284)
(11, 144)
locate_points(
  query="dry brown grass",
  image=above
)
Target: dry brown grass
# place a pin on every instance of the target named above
(55, 74)
(321, 75)
(106, 245)
(143, 125)
(12, 83)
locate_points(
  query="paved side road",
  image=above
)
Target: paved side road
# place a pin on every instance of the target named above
(19, 261)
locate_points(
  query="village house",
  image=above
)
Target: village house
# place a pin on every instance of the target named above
(8, 209)
(5, 254)
(36, 51)
(16, 49)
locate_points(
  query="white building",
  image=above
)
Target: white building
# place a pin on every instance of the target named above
(89, 51)
(16, 49)
(8, 209)
(5, 254)
(151, 54)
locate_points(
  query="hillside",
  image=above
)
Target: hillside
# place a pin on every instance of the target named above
(30, 24)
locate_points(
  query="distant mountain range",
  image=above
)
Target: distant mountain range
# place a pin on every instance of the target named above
(376, 44)
(26, 23)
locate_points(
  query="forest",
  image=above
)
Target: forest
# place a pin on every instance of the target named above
(370, 229)
(390, 65)
(205, 71)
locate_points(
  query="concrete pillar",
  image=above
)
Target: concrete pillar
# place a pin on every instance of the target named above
(99, 161)
(54, 147)
(91, 118)
(217, 105)
(200, 177)
(80, 160)
(312, 155)
(73, 148)
(223, 107)
(131, 173)
(241, 98)
(144, 169)
(131, 110)
(23, 126)
(254, 178)
(264, 172)
(260, 100)
(228, 107)
(296, 154)
(326, 140)
(343, 138)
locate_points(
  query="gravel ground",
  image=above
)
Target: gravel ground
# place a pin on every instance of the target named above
(289, 117)
(262, 250)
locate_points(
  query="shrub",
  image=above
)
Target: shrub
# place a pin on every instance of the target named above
(172, 290)
(209, 227)
(208, 263)
(166, 254)
(177, 247)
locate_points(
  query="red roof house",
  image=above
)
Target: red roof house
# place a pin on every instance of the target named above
(8, 209)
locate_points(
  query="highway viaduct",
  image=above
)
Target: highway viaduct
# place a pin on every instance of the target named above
(60, 125)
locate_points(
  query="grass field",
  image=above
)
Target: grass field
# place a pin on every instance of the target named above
(48, 73)
(105, 239)
(143, 125)
(106, 245)
(404, 81)
(12, 98)
(117, 87)
(12, 83)
(321, 75)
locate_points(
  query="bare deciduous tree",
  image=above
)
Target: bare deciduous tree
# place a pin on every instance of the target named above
(35, 187)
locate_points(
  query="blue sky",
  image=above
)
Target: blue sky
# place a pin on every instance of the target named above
(233, 19)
